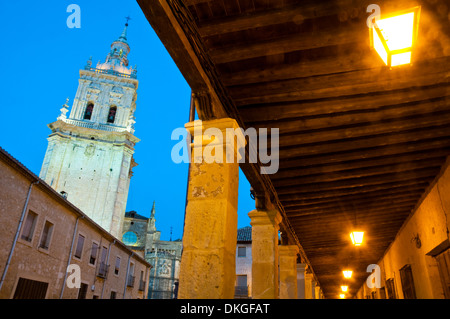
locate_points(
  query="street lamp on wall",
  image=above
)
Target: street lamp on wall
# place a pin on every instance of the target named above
(394, 36)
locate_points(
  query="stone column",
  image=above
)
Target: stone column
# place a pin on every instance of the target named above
(313, 289)
(308, 286)
(208, 262)
(265, 225)
(301, 270)
(317, 291)
(288, 271)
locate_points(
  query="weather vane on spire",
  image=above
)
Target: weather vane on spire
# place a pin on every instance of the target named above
(128, 19)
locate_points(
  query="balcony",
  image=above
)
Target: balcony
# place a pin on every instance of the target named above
(112, 72)
(142, 285)
(96, 126)
(130, 281)
(241, 292)
(102, 270)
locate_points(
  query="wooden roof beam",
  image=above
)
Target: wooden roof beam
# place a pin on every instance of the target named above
(402, 159)
(292, 13)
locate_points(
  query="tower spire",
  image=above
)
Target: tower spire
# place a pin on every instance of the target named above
(152, 214)
(123, 36)
(117, 59)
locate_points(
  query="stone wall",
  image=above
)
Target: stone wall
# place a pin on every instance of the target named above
(429, 223)
(48, 265)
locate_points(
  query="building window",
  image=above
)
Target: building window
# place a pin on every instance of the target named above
(94, 251)
(382, 293)
(88, 111)
(80, 244)
(113, 295)
(83, 291)
(103, 267)
(28, 227)
(406, 277)
(141, 282)
(112, 114)
(130, 279)
(46, 235)
(117, 267)
(443, 260)
(390, 288)
(242, 252)
(241, 289)
(241, 280)
(30, 289)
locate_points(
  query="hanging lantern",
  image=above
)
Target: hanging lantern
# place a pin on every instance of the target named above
(357, 237)
(394, 36)
(344, 288)
(347, 274)
(342, 296)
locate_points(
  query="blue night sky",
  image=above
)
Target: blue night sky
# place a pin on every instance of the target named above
(41, 59)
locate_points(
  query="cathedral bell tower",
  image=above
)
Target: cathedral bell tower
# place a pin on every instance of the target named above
(89, 156)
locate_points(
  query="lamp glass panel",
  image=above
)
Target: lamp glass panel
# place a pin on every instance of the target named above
(398, 31)
(401, 58)
(378, 45)
(347, 273)
(357, 237)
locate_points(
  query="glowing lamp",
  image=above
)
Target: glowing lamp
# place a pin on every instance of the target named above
(357, 237)
(394, 36)
(344, 288)
(347, 273)
(342, 296)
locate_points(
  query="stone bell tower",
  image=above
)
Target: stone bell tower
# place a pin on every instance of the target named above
(89, 156)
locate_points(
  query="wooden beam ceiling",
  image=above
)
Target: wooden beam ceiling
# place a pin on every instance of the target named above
(356, 138)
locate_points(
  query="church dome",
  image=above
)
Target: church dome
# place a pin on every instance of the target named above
(122, 69)
(103, 66)
(116, 61)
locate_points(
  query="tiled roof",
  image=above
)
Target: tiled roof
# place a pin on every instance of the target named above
(244, 234)
(133, 214)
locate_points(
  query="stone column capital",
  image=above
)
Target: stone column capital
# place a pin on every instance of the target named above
(202, 130)
(302, 267)
(219, 133)
(265, 217)
(222, 124)
(309, 276)
(288, 250)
